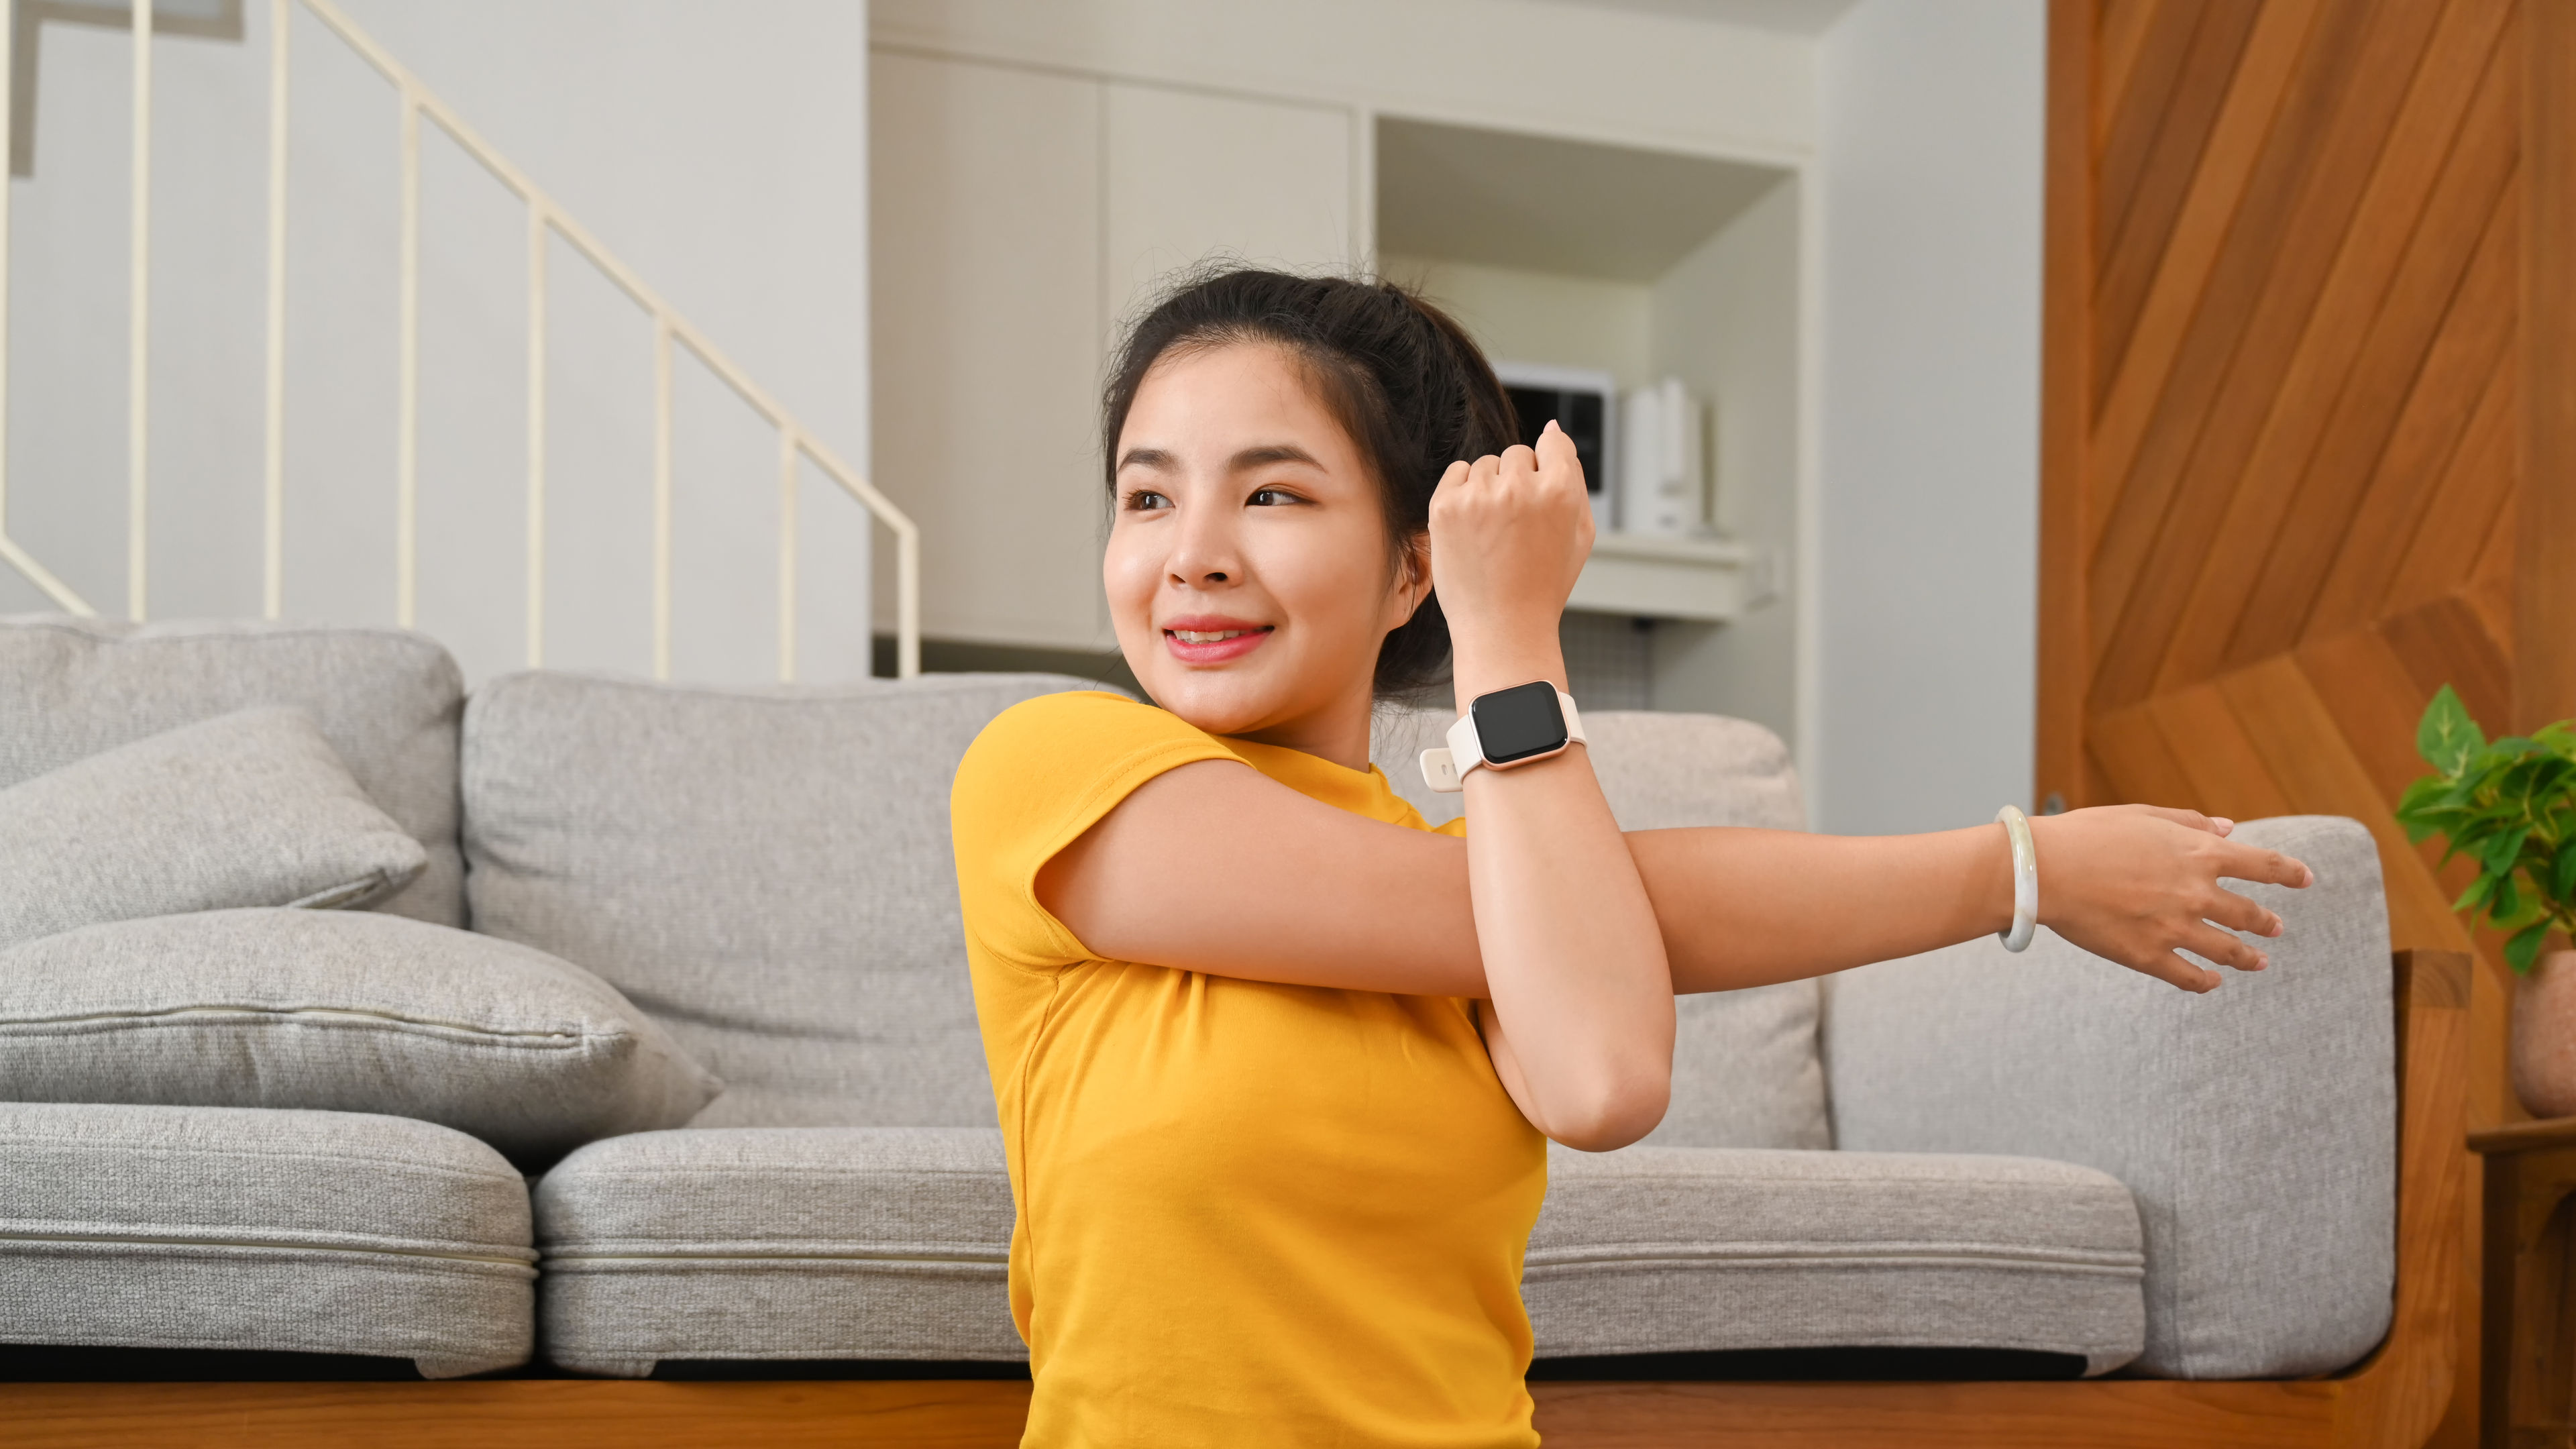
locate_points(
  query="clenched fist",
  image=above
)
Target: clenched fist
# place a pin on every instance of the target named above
(1508, 536)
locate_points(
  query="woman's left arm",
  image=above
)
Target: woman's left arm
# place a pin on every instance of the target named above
(1578, 1013)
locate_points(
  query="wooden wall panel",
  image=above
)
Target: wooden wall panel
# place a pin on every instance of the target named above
(2309, 414)
(2545, 581)
(2299, 242)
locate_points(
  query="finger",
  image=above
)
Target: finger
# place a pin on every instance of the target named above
(1453, 477)
(2239, 914)
(1519, 462)
(2167, 967)
(1481, 473)
(2192, 818)
(2223, 948)
(1556, 451)
(2271, 867)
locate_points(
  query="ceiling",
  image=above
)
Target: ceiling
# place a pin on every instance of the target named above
(1794, 17)
(1550, 205)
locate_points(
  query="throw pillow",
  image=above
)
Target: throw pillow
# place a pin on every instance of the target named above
(343, 1011)
(245, 809)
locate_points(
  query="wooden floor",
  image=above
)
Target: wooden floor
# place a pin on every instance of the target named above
(570, 1413)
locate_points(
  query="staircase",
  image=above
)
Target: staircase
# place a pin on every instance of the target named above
(679, 351)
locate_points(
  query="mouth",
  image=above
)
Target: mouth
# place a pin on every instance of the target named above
(1213, 640)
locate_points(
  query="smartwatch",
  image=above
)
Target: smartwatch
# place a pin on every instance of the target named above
(1505, 728)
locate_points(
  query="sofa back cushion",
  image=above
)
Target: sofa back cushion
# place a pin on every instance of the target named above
(386, 700)
(765, 872)
(2255, 1125)
(1746, 1072)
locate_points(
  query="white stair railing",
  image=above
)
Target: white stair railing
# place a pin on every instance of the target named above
(546, 219)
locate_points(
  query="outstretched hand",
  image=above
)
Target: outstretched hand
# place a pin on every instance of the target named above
(2138, 883)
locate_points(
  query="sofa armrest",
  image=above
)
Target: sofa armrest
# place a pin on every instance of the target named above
(2255, 1125)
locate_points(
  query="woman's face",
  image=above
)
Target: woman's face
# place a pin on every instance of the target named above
(1248, 570)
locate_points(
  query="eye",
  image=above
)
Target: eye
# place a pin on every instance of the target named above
(1272, 498)
(1144, 500)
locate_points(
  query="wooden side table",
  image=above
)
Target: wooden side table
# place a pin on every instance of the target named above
(2527, 1342)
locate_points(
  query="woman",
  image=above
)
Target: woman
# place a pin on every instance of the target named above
(1276, 1063)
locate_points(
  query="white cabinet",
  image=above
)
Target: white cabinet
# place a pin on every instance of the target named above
(985, 226)
(1016, 215)
(1194, 176)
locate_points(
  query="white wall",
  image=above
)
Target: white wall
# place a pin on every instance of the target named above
(720, 149)
(1727, 320)
(1928, 507)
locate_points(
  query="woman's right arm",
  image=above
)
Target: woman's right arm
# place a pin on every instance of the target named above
(2130, 883)
(1213, 867)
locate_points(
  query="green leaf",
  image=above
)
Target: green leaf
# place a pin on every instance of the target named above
(2562, 874)
(2559, 737)
(2476, 895)
(2524, 947)
(2499, 853)
(2505, 901)
(2425, 808)
(2446, 736)
(2421, 794)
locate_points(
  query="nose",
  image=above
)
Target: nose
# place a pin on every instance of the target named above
(1206, 555)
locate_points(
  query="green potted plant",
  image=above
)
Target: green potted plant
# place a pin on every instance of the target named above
(2510, 806)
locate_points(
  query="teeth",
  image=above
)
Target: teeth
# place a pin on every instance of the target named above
(1207, 636)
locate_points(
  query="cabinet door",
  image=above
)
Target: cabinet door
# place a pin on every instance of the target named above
(985, 225)
(1191, 176)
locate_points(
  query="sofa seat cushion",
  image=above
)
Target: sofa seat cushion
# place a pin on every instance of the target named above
(777, 1243)
(245, 809)
(238, 1228)
(388, 702)
(1661, 1249)
(342, 1011)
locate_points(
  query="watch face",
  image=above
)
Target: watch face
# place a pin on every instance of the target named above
(1519, 723)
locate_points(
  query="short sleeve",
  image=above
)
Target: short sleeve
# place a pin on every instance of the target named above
(1043, 772)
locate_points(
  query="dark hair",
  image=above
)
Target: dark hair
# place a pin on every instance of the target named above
(1400, 376)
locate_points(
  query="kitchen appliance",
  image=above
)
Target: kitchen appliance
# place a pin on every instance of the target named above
(1585, 404)
(1662, 483)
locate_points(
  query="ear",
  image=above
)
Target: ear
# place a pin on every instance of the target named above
(1412, 582)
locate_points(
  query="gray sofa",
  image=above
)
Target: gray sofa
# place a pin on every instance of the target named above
(1970, 1149)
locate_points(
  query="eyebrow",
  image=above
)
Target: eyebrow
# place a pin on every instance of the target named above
(1249, 458)
(1269, 453)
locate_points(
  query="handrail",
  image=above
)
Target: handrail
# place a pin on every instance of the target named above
(547, 221)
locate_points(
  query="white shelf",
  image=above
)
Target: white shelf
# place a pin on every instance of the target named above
(1650, 576)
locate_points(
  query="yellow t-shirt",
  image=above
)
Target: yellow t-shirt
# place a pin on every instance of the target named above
(1249, 1214)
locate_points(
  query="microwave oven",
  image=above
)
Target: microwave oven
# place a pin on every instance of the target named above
(1582, 402)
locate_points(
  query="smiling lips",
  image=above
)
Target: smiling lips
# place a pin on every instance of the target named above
(1207, 639)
